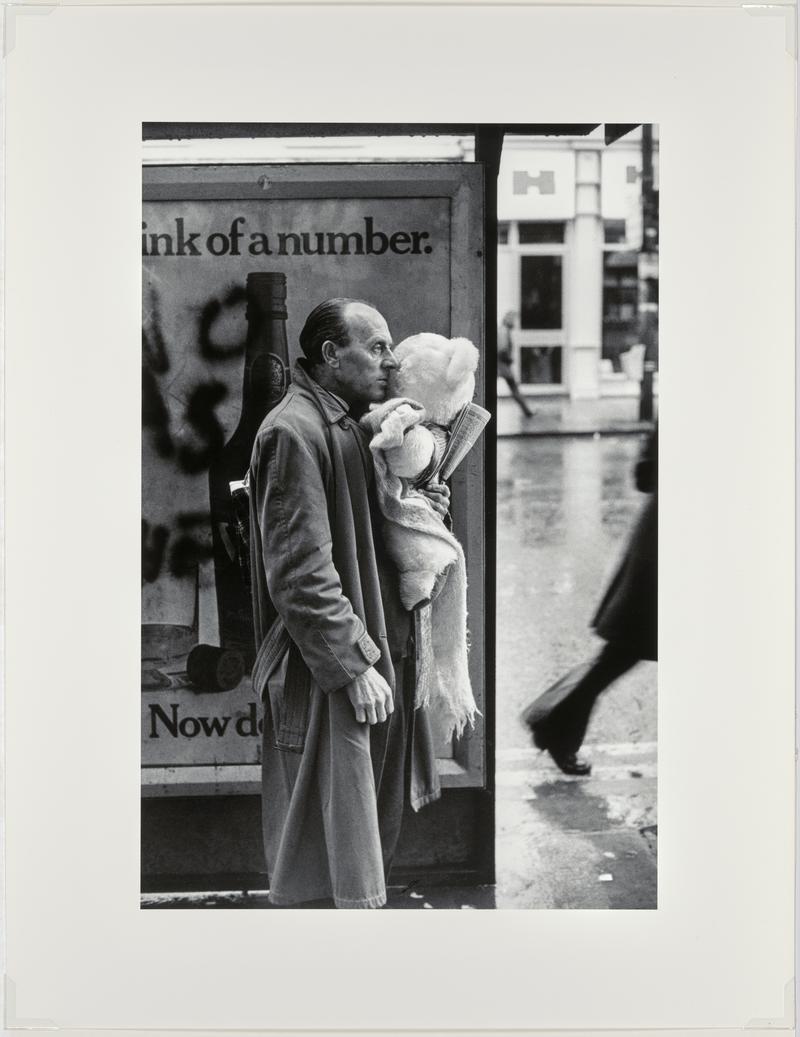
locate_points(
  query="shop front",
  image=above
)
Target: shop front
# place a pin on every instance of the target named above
(568, 268)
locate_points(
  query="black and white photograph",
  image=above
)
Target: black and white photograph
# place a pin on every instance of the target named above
(399, 516)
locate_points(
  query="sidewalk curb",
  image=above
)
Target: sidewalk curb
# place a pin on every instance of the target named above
(612, 430)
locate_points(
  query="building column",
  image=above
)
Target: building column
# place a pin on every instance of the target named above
(584, 324)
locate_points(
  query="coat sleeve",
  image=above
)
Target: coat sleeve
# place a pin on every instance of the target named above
(646, 470)
(303, 583)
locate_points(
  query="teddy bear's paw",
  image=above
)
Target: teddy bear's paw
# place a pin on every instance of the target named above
(413, 456)
(391, 433)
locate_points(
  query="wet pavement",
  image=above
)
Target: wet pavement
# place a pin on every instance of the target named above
(564, 508)
(567, 842)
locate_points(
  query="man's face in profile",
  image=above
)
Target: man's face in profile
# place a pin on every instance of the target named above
(367, 359)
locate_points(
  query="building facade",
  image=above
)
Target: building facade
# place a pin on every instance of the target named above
(570, 265)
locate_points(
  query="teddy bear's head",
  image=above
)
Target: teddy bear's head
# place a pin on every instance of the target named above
(437, 372)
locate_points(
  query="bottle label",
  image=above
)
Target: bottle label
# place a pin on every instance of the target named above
(277, 376)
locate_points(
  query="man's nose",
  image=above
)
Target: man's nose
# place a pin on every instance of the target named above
(389, 359)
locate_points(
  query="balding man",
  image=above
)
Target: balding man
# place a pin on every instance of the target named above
(342, 742)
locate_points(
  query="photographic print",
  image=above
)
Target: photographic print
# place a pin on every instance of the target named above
(357, 431)
(399, 483)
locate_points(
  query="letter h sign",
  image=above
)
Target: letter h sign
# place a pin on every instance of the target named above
(545, 181)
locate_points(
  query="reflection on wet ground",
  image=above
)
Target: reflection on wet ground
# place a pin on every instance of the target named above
(578, 843)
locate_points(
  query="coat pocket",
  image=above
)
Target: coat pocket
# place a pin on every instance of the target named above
(289, 694)
(270, 655)
(283, 681)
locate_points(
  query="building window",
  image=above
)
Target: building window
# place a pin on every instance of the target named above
(614, 231)
(540, 365)
(620, 305)
(502, 233)
(542, 232)
(540, 292)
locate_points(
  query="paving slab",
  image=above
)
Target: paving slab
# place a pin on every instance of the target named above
(577, 842)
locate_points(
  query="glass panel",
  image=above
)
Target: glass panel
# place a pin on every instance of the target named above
(542, 232)
(502, 233)
(614, 231)
(540, 365)
(540, 292)
(620, 305)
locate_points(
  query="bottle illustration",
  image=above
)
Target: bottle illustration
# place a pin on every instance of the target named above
(266, 377)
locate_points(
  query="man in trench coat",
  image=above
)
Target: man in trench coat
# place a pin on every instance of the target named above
(343, 746)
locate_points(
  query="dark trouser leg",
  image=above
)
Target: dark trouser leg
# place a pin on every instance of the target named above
(565, 726)
(388, 747)
(512, 384)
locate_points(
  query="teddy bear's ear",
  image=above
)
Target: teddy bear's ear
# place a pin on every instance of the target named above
(463, 362)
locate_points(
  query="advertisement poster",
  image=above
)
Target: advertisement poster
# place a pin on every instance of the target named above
(397, 238)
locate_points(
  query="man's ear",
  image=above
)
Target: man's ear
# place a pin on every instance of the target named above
(330, 355)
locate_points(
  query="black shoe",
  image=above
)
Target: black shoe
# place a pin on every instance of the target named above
(570, 763)
(567, 761)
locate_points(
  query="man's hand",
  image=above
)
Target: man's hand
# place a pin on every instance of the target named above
(371, 697)
(438, 493)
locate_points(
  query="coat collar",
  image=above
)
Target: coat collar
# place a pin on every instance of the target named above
(330, 406)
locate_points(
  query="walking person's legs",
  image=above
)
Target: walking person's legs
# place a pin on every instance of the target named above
(511, 381)
(559, 718)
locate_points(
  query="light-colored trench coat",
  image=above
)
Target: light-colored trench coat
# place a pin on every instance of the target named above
(326, 607)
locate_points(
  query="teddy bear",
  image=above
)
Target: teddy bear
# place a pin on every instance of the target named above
(438, 375)
(433, 381)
